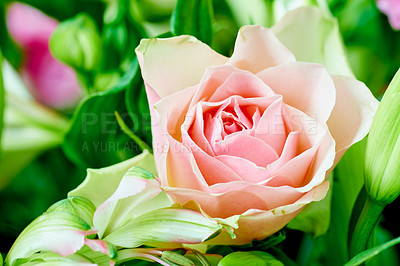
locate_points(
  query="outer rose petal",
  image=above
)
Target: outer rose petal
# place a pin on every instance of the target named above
(234, 198)
(258, 48)
(181, 169)
(173, 64)
(307, 87)
(256, 224)
(352, 115)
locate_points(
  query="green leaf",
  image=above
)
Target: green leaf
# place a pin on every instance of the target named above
(121, 34)
(138, 193)
(100, 184)
(64, 9)
(370, 253)
(193, 17)
(2, 99)
(95, 139)
(78, 206)
(258, 258)
(314, 37)
(7, 46)
(168, 225)
(59, 232)
(33, 190)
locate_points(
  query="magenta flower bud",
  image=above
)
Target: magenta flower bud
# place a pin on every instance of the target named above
(49, 81)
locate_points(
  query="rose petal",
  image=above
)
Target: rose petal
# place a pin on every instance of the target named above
(271, 127)
(239, 82)
(244, 195)
(181, 168)
(247, 170)
(352, 115)
(305, 86)
(247, 147)
(173, 64)
(212, 169)
(258, 224)
(258, 48)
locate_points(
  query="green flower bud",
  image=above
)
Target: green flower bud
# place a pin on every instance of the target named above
(382, 161)
(77, 43)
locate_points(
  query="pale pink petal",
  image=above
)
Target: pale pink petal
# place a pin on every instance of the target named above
(27, 24)
(173, 64)
(247, 170)
(313, 133)
(247, 147)
(156, 130)
(289, 151)
(258, 224)
(271, 128)
(258, 48)
(181, 167)
(166, 116)
(352, 115)
(196, 130)
(242, 83)
(305, 86)
(211, 169)
(244, 195)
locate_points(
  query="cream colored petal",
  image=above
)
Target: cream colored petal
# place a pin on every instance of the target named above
(352, 115)
(258, 48)
(173, 64)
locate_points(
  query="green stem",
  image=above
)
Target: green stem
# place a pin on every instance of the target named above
(365, 225)
(143, 146)
(280, 255)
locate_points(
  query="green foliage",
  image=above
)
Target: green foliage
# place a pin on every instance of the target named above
(2, 99)
(33, 190)
(7, 46)
(258, 258)
(370, 253)
(121, 34)
(64, 9)
(95, 139)
(198, 23)
(370, 41)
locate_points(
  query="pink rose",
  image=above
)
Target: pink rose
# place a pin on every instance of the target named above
(252, 136)
(51, 82)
